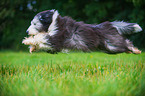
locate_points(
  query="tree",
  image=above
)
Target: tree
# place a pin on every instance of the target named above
(16, 15)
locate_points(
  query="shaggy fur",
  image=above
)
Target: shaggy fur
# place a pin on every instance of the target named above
(53, 33)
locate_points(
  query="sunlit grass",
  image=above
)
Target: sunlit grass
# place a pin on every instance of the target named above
(74, 74)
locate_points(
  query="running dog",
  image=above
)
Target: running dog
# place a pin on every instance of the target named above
(51, 32)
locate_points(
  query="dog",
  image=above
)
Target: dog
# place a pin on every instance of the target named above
(53, 33)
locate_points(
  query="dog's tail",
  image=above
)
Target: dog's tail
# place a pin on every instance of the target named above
(125, 28)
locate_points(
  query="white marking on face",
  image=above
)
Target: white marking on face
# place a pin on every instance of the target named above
(53, 26)
(35, 26)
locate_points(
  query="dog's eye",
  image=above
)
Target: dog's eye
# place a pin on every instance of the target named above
(34, 23)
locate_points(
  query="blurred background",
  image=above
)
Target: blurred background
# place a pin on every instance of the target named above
(16, 15)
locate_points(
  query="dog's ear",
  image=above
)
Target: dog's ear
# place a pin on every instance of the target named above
(46, 17)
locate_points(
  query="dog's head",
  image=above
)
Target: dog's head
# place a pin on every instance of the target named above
(43, 22)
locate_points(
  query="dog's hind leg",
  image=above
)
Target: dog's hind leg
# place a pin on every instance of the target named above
(134, 50)
(114, 48)
(131, 48)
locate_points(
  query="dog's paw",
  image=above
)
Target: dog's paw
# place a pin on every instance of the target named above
(32, 49)
(136, 50)
(28, 41)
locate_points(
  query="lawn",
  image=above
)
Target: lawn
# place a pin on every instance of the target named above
(73, 74)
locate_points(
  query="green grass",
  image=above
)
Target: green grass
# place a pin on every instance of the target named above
(74, 74)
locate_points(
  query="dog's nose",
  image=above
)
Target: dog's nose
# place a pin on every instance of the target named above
(27, 31)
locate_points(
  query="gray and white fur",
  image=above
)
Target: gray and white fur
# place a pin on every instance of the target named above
(125, 28)
(53, 33)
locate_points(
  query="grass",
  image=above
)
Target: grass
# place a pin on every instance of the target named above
(74, 74)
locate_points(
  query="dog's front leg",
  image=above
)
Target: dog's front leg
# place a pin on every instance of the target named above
(29, 41)
(38, 42)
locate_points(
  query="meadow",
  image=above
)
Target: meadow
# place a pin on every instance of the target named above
(72, 74)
